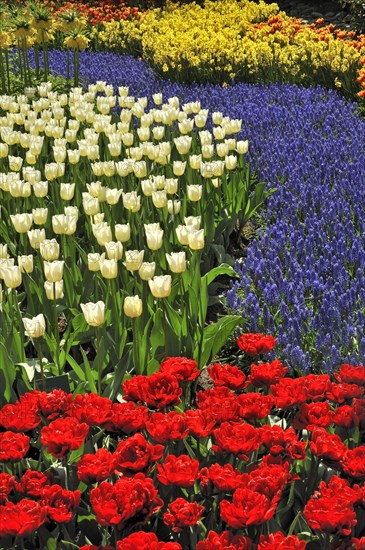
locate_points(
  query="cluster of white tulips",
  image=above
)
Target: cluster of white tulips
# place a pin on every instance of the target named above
(123, 196)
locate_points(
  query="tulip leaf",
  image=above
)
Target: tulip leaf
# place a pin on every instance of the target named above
(157, 333)
(152, 366)
(76, 367)
(88, 372)
(223, 269)
(76, 455)
(173, 319)
(215, 336)
(7, 372)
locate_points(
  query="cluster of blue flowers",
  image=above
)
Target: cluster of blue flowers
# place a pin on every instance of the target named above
(303, 279)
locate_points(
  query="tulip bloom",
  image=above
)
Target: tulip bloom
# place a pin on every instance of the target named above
(35, 327)
(94, 313)
(12, 276)
(53, 271)
(54, 291)
(160, 286)
(132, 306)
(22, 222)
(176, 261)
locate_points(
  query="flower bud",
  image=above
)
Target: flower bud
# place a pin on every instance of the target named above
(147, 270)
(173, 207)
(67, 191)
(176, 261)
(158, 132)
(143, 134)
(102, 233)
(133, 259)
(15, 163)
(35, 327)
(178, 167)
(154, 239)
(193, 221)
(40, 215)
(217, 117)
(54, 291)
(157, 98)
(207, 151)
(195, 161)
(122, 232)
(186, 126)
(171, 185)
(196, 239)
(12, 276)
(90, 205)
(26, 263)
(21, 222)
(132, 306)
(219, 132)
(113, 195)
(93, 261)
(53, 271)
(159, 198)
(160, 286)
(73, 156)
(19, 188)
(222, 149)
(108, 268)
(40, 189)
(131, 201)
(183, 144)
(64, 224)
(94, 313)
(72, 211)
(36, 237)
(231, 162)
(194, 192)
(4, 150)
(140, 169)
(114, 250)
(50, 250)
(4, 252)
(242, 147)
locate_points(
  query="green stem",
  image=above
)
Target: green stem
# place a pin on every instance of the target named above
(68, 65)
(56, 331)
(2, 73)
(7, 68)
(99, 362)
(36, 58)
(76, 67)
(135, 347)
(40, 359)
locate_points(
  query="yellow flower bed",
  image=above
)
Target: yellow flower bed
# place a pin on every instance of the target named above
(241, 40)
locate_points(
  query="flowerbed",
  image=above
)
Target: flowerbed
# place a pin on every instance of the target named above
(255, 43)
(309, 144)
(128, 221)
(263, 461)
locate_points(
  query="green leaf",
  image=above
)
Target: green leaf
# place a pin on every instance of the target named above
(51, 544)
(223, 269)
(76, 455)
(157, 332)
(216, 335)
(173, 319)
(88, 372)
(152, 366)
(119, 373)
(7, 372)
(76, 367)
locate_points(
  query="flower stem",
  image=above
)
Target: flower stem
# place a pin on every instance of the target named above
(40, 359)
